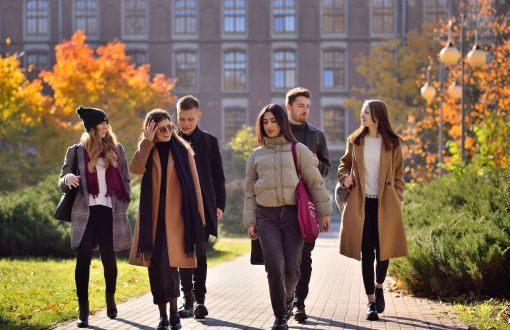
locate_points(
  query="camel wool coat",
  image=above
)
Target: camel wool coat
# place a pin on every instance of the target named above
(392, 238)
(173, 216)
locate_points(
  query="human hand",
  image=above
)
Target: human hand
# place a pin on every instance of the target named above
(326, 223)
(219, 214)
(72, 181)
(348, 182)
(252, 233)
(150, 130)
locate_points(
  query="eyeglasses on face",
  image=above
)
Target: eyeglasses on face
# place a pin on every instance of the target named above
(167, 128)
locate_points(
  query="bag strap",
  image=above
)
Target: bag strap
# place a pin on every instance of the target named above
(296, 161)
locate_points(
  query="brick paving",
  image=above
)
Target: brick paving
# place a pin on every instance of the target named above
(238, 298)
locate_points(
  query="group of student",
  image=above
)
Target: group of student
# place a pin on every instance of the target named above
(182, 198)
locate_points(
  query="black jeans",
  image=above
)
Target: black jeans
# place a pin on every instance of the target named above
(370, 248)
(281, 242)
(163, 279)
(193, 279)
(99, 231)
(306, 274)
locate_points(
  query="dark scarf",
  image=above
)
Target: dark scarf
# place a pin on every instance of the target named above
(114, 183)
(193, 229)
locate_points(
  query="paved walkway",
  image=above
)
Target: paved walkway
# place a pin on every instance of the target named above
(238, 298)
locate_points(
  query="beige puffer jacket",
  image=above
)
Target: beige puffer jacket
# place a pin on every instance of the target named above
(271, 178)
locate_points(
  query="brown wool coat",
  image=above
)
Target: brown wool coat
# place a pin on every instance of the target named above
(173, 216)
(392, 238)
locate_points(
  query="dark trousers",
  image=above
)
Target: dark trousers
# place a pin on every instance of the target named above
(281, 242)
(306, 273)
(370, 248)
(99, 231)
(193, 279)
(163, 279)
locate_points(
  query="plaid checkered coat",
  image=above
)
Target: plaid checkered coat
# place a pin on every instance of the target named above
(80, 212)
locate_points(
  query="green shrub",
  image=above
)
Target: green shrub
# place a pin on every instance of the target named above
(232, 222)
(458, 230)
(27, 225)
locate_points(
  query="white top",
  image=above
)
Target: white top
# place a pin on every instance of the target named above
(372, 156)
(101, 199)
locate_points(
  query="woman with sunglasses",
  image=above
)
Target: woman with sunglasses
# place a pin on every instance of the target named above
(169, 228)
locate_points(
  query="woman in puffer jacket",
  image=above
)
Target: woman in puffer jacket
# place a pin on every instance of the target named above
(270, 212)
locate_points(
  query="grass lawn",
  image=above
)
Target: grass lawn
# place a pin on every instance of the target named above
(39, 293)
(489, 314)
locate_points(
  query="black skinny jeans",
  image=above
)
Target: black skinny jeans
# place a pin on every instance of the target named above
(370, 248)
(99, 231)
(193, 279)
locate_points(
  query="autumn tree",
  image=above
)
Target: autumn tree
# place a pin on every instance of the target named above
(104, 78)
(24, 125)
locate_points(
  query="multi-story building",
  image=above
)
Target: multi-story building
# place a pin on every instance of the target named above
(234, 55)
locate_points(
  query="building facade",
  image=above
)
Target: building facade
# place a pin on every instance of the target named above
(234, 55)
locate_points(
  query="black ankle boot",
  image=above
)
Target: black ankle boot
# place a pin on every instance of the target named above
(379, 300)
(175, 322)
(111, 307)
(186, 310)
(83, 320)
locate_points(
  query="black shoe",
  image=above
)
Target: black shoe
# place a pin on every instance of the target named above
(175, 322)
(200, 311)
(163, 323)
(372, 312)
(379, 300)
(83, 320)
(111, 307)
(280, 324)
(300, 314)
(186, 310)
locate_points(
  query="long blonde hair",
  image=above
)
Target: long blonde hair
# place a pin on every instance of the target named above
(95, 146)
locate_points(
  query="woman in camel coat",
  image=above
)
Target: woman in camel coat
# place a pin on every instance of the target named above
(169, 228)
(372, 224)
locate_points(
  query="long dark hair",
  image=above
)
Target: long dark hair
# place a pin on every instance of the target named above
(281, 118)
(379, 114)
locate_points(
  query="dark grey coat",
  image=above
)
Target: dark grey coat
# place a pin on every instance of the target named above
(80, 212)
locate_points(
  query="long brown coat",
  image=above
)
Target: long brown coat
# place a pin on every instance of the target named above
(173, 216)
(392, 238)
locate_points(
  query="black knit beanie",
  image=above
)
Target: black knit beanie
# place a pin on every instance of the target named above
(91, 117)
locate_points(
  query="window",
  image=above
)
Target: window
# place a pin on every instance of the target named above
(186, 69)
(284, 16)
(436, 11)
(284, 69)
(86, 16)
(234, 16)
(138, 57)
(333, 62)
(234, 119)
(234, 78)
(383, 20)
(333, 123)
(185, 16)
(135, 17)
(36, 62)
(37, 17)
(334, 16)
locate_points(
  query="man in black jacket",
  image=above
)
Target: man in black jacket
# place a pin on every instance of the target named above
(297, 103)
(212, 185)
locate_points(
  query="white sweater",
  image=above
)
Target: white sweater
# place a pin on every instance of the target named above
(101, 199)
(372, 155)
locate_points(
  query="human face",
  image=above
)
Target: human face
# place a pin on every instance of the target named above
(271, 126)
(164, 130)
(299, 110)
(188, 120)
(366, 118)
(102, 129)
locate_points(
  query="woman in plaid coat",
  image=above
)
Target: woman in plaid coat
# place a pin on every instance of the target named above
(97, 167)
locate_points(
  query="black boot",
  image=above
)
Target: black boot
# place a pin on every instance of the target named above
(379, 300)
(111, 307)
(280, 324)
(175, 321)
(83, 320)
(200, 311)
(186, 310)
(372, 312)
(163, 323)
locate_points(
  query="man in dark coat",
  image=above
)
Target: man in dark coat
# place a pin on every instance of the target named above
(212, 185)
(297, 103)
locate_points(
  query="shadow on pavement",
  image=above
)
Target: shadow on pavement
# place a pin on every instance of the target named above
(424, 325)
(212, 322)
(321, 321)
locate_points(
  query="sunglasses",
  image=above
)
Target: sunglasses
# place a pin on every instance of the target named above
(167, 128)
